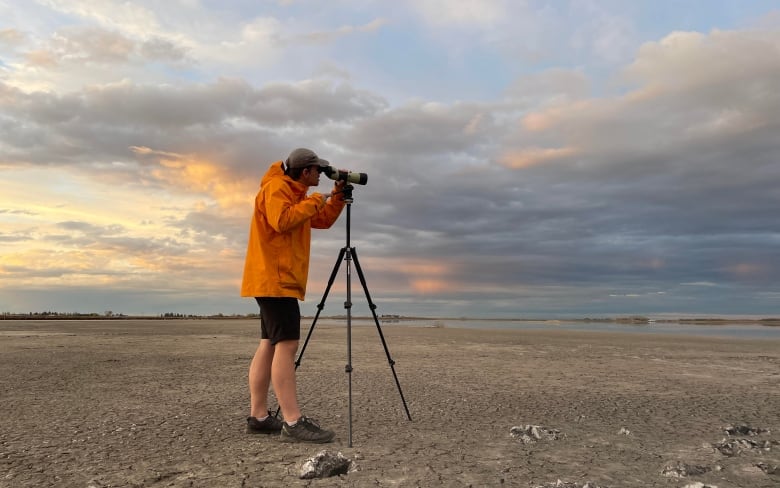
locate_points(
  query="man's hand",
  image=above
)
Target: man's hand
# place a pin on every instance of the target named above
(339, 185)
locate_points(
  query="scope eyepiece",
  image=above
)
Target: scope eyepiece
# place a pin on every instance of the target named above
(348, 176)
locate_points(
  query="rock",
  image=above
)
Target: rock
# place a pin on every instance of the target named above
(732, 447)
(563, 484)
(325, 464)
(769, 469)
(699, 484)
(745, 430)
(532, 433)
(681, 470)
(624, 431)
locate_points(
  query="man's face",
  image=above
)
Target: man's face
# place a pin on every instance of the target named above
(311, 176)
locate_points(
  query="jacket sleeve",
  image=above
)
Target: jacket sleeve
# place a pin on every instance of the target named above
(282, 212)
(329, 213)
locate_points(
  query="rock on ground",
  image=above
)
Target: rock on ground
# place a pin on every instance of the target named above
(325, 464)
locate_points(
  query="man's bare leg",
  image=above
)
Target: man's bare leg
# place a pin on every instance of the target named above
(283, 378)
(260, 378)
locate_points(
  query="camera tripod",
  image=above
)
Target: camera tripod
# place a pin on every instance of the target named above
(349, 254)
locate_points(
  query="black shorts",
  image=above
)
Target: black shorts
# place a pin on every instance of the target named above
(280, 319)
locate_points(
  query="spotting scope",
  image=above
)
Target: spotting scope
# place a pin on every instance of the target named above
(348, 176)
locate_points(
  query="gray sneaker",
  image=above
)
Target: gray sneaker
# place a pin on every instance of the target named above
(269, 425)
(306, 430)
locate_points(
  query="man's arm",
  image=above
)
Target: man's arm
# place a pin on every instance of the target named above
(329, 214)
(281, 211)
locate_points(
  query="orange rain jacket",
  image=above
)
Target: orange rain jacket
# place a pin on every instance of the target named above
(277, 256)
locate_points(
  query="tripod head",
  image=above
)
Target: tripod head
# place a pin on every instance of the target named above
(347, 191)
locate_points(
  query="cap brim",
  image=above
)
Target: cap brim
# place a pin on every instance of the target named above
(323, 162)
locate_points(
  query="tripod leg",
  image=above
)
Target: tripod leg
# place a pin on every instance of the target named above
(378, 328)
(320, 306)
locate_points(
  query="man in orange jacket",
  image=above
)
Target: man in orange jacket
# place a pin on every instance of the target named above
(275, 273)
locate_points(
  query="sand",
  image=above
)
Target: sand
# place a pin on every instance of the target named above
(163, 403)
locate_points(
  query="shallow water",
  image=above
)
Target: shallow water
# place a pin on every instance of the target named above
(734, 330)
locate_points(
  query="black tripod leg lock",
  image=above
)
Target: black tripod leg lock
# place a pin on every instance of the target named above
(347, 304)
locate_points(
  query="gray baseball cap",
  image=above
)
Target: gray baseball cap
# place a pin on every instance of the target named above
(302, 157)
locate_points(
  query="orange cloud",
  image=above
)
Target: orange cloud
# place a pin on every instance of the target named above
(42, 58)
(427, 286)
(425, 277)
(11, 36)
(524, 158)
(546, 119)
(200, 175)
(748, 271)
(474, 124)
(538, 121)
(425, 268)
(654, 263)
(430, 277)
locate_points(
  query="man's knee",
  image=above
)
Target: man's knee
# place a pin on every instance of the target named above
(287, 346)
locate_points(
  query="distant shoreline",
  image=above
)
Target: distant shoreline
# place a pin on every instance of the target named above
(768, 321)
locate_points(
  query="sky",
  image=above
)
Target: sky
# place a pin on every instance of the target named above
(524, 158)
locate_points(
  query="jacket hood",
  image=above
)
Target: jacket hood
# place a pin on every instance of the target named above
(275, 171)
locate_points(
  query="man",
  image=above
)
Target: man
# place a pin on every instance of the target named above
(275, 273)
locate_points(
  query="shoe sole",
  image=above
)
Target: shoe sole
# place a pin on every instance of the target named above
(262, 432)
(289, 438)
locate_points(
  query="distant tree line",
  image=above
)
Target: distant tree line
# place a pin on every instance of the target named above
(48, 315)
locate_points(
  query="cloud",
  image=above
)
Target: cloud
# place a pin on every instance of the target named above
(84, 46)
(549, 87)
(462, 13)
(323, 37)
(533, 32)
(606, 34)
(128, 17)
(223, 121)
(190, 173)
(423, 129)
(11, 37)
(751, 272)
(684, 95)
(525, 158)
